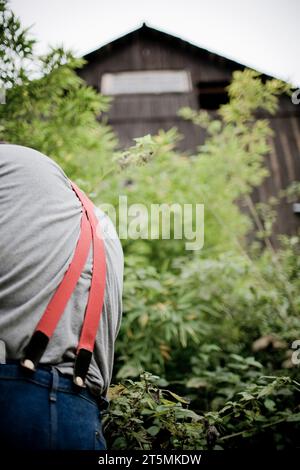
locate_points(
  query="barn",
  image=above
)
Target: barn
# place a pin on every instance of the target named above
(151, 75)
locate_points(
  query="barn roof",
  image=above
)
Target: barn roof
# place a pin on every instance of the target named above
(146, 32)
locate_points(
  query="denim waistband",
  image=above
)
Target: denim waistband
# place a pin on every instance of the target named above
(43, 376)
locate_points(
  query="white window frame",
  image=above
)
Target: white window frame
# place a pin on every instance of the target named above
(146, 82)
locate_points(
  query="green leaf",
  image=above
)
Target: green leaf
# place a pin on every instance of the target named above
(270, 404)
(153, 430)
(178, 398)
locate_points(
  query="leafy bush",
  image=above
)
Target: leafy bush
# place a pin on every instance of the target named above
(48, 107)
(145, 416)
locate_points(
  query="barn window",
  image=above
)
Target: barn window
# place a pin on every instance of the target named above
(146, 81)
(212, 95)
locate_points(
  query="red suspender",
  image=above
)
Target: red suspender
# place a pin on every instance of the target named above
(90, 231)
(96, 295)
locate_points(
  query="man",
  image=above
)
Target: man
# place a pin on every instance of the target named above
(40, 226)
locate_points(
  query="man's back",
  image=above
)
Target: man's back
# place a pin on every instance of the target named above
(39, 227)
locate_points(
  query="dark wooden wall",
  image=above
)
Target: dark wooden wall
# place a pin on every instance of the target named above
(136, 115)
(283, 164)
(146, 49)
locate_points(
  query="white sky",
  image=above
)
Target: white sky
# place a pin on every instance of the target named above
(263, 34)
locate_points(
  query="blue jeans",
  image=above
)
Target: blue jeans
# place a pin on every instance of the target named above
(45, 410)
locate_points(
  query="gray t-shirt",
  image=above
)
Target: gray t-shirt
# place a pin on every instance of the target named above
(40, 219)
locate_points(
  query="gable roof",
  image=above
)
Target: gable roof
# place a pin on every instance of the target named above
(146, 32)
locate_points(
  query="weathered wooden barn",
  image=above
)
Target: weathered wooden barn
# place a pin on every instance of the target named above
(151, 75)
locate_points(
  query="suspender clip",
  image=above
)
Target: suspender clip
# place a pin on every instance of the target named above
(35, 350)
(81, 367)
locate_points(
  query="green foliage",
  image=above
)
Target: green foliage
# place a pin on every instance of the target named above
(49, 108)
(16, 47)
(144, 415)
(215, 325)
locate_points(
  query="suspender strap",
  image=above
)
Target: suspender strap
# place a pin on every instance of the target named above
(90, 231)
(96, 294)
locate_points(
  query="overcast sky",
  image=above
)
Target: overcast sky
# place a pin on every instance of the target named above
(263, 34)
